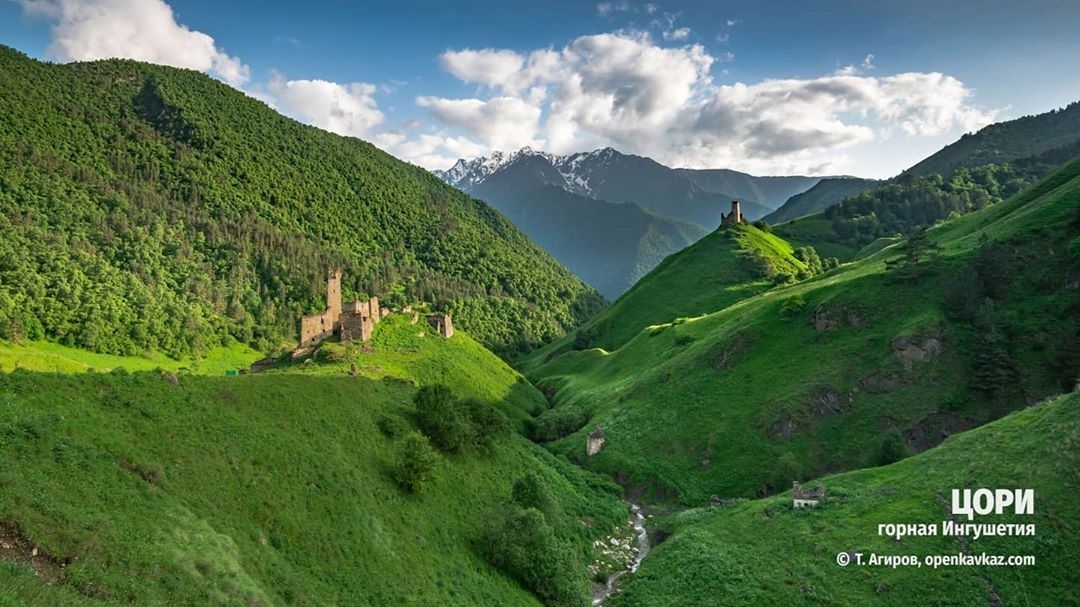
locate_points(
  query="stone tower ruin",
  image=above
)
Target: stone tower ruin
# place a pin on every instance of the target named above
(734, 217)
(355, 321)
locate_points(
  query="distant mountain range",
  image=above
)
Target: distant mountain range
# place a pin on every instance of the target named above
(693, 195)
(612, 217)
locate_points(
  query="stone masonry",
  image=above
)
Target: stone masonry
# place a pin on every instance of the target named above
(351, 322)
(734, 217)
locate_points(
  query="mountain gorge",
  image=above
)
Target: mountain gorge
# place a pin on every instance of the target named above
(742, 389)
(160, 234)
(612, 217)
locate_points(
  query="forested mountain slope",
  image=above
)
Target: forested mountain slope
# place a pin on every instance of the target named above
(146, 208)
(1006, 141)
(825, 193)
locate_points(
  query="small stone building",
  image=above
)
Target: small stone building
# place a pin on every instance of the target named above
(807, 497)
(734, 217)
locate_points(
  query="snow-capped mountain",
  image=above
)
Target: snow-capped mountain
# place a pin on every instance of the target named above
(696, 196)
(575, 169)
(611, 217)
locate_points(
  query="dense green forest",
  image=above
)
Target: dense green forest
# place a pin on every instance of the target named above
(150, 209)
(912, 202)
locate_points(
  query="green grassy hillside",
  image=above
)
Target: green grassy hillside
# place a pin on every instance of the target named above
(147, 209)
(765, 552)
(724, 267)
(858, 367)
(273, 488)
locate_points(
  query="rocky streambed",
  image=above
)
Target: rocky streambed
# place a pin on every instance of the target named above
(628, 549)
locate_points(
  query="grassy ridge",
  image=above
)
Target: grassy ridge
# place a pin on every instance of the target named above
(851, 369)
(764, 552)
(271, 488)
(55, 358)
(726, 266)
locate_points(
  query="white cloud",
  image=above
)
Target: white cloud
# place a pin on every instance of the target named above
(345, 109)
(625, 90)
(145, 30)
(792, 124)
(681, 33)
(605, 9)
(852, 70)
(488, 66)
(503, 123)
(733, 22)
(651, 8)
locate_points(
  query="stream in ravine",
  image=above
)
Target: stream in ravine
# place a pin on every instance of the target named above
(637, 516)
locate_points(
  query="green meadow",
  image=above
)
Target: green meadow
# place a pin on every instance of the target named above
(267, 488)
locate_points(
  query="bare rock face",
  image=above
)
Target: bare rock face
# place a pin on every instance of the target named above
(826, 402)
(880, 383)
(726, 358)
(832, 316)
(909, 352)
(594, 442)
(825, 319)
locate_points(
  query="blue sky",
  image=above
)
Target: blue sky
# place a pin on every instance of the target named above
(853, 87)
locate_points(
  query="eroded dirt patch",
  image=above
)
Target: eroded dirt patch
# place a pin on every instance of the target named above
(16, 546)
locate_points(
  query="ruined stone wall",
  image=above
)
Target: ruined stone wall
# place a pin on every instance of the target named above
(353, 321)
(373, 309)
(315, 328)
(351, 326)
(735, 216)
(442, 324)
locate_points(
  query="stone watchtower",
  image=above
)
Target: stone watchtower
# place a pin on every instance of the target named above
(734, 217)
(353, 321)
(333, 295)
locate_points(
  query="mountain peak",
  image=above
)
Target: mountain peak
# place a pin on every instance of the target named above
(574, 168)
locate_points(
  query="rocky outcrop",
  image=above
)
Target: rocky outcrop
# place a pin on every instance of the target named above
(911, 351)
